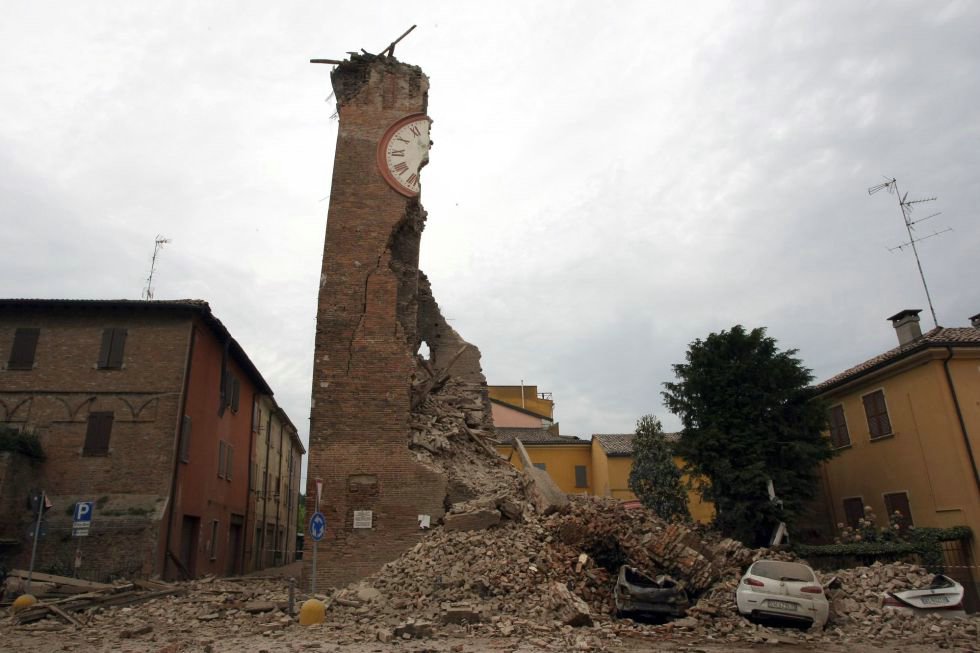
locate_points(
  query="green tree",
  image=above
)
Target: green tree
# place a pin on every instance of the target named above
(655, 479)
(748, 417)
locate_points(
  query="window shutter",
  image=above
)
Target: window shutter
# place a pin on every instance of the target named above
(581, 479)
(229, 451)
(117, 347)
(899, 501)
(185, 439)
(839, 436)
(853, 511)
(877, 414)
(221, 458)
(97, 434)
(106, 348)
(235, 390)
(23, 350)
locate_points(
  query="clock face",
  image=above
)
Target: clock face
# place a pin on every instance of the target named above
(403, 150)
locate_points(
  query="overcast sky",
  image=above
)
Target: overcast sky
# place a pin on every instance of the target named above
(609, 181)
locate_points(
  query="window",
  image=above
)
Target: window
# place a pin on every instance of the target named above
(874, 407)
(185, 439)
(236, 388)
(539, 465)
(839, 437)
(899, 502)
(213, 547)
(253, 477)
(23, 350)
(222, 454)
(113, 343)
(581, 478)
(853, 511)
(97, 434)
(229, 450)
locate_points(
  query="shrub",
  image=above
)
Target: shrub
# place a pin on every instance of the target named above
(23, 442)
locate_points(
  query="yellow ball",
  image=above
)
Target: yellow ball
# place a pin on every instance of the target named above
(312, 612)
(23, 601)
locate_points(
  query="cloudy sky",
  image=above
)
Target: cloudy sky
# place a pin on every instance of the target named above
(609, 181)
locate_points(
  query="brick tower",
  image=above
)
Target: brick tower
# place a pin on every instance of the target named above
(367, 332)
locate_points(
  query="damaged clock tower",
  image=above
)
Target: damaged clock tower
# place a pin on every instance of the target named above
(380, 478)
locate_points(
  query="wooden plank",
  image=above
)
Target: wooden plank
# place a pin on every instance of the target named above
(60, 580)
(151, 584)
(64, 615)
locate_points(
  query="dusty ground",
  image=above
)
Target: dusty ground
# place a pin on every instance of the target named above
(295, 639)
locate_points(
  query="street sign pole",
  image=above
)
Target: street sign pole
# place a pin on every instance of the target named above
(316, 541)
(37, 536)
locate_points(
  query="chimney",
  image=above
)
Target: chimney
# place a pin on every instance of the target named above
(975, 321)
(906, 325)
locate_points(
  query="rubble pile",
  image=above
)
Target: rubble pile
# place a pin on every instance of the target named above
(450, 433)
(856, 612)
(505, 578)
(545, 580)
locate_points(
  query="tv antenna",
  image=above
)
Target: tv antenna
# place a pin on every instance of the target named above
(157, 246)
(907, 205)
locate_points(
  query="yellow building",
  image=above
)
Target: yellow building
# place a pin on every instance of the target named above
(273, 486)
(521, 406)
(906, 425)
(600, 466)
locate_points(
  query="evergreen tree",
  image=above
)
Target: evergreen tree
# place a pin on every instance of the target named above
(655, 479)
(748, 417)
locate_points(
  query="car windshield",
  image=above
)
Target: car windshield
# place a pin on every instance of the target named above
(779, 570)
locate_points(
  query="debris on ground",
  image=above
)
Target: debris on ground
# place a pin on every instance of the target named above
(546, 579)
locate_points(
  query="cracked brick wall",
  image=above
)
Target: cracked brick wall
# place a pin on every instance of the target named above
(367, 336)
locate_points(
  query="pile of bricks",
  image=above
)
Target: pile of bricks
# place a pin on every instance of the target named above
(450, 433)
(502, 582)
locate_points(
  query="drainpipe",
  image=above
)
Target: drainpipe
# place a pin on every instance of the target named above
(247, 535)
(279, 487)
(265, 488)
(959, 416)
(180, 424)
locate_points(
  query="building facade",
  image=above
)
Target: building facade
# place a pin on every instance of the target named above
(600, 466)
(143, 408)
(274, 486)
(906, 426)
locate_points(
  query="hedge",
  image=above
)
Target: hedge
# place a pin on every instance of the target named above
(923, 542)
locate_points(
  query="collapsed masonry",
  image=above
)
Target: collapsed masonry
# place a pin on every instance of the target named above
(396, 438)
(402, 442)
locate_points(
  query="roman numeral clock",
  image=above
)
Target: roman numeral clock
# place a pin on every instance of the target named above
(402, 151)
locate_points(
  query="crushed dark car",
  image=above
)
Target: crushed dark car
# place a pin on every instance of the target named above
(639, 596)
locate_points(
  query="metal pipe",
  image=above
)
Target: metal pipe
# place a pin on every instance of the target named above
(959, 416)
(179, 431)
(37, 536)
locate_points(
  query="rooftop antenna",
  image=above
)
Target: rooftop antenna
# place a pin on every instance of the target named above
(907, 205)
(157, 246)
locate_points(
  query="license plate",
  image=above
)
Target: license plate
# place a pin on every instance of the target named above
(782, 605)
(935, 600)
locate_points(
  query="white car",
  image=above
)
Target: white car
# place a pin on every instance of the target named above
(785, 591)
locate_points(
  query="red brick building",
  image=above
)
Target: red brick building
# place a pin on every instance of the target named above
(146, 409)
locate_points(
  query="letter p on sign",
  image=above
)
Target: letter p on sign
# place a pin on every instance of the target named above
(83, 511)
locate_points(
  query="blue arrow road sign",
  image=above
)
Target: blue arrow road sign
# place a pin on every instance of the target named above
(83, 511)
(318, 526)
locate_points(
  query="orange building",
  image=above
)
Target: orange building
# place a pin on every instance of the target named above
(906, 426)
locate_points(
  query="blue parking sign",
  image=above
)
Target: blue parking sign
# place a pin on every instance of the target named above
(318, 526)
(83, 511)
